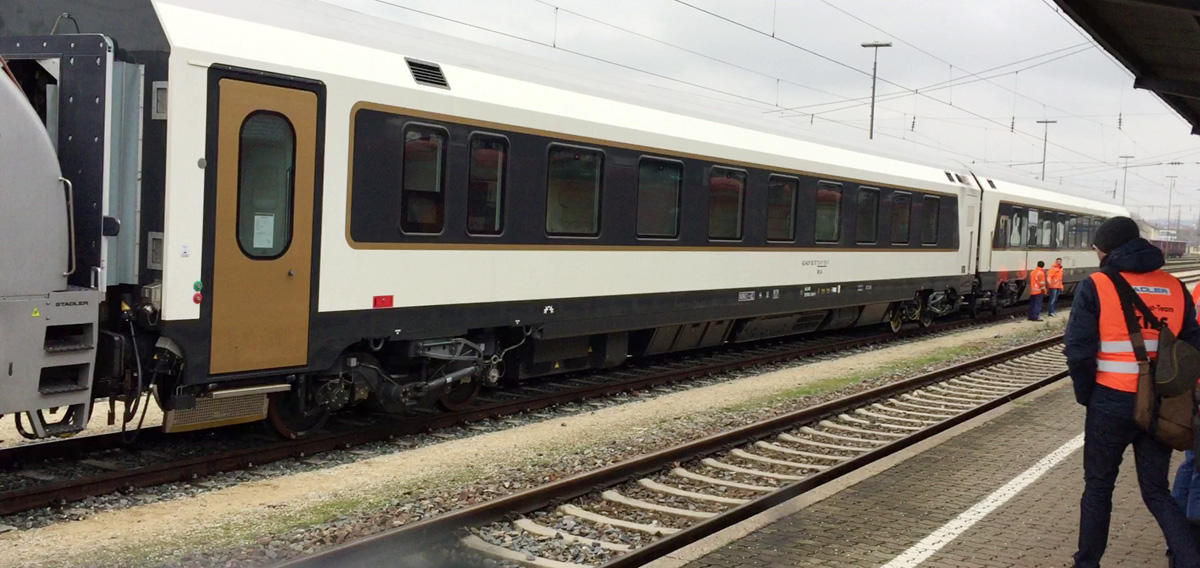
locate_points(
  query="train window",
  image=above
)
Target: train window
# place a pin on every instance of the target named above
(659, 183)
(1016, 238)
(1003, 228)
(901, 212)
(781, 208)
(1046, 231)
(422, 202)
(1060, 230)
(1072, 241)
(829, 212)
(726, 196)
(266, 175)
(867, 212)
(573, 191)
(1032, 225)
(485, 184)
(929, 219)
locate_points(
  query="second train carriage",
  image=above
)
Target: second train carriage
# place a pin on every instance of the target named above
(334, 209)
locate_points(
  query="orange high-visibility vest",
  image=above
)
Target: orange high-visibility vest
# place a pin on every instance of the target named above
(1054, 277)
(1037, 281)
(1116, 363)
(1195, 299)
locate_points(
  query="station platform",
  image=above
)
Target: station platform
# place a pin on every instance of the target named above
(999, 491)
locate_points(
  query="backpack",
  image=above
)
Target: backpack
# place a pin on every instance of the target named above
(1165, 405)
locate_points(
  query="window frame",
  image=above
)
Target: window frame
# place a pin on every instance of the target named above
(678, 197)
(503, 198)
(291, 221)
(874, 218)
(907, 218)
(795, 181)
(937, 218)
(404, 174)
(599, 218)
(837, 224)
(741, 215)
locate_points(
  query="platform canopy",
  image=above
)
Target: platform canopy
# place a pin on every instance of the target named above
(1157, 40)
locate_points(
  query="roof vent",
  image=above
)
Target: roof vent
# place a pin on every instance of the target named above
(427, 73)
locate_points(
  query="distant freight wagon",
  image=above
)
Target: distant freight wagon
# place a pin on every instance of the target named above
(1171, 249)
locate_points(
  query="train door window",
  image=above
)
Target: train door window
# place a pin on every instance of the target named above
(266, 176)
(1060, 230)
(1003, 228)
(726, 196)
(659, 184)
(901, 213)
(929, 219)
(1046, 230)
(781, 208)
(867, 214)
(1016, 238)
(1085, 233)
(1032, 225)
(485, 184)
(573, 191)
(422, 202)
(1069, 232)
(827, 229)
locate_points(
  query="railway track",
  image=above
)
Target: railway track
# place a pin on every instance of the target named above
(60, 472)
(635, 511)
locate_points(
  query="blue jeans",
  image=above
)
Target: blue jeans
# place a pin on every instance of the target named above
(1035, 306)
(1053, 299)
(1105, 438)
(1186, 489)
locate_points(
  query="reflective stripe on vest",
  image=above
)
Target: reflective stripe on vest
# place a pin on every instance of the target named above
(1116, 363)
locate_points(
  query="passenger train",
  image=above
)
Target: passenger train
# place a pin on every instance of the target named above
(283, 208)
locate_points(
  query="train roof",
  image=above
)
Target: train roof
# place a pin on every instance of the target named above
(326, 42)
(1040, 194)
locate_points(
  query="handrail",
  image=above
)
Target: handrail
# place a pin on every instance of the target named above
(70, 225)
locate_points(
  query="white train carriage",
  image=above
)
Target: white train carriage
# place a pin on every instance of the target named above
(331, 209)
(1025, 224)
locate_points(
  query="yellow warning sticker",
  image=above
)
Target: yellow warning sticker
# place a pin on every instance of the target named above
(37, 313)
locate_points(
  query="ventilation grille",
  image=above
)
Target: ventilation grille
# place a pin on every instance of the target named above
(427, 73)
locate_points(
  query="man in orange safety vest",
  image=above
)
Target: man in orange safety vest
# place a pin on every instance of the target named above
(1104, 371)
(1054, 277)
(1037, 290)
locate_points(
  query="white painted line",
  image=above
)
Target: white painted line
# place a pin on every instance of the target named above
(921, 551)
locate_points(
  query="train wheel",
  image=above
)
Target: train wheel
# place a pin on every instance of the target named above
(291, 418)
(926, 318)
(896, 321)
(459, 396)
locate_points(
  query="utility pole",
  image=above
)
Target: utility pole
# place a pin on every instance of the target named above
(875, 45)
(1170, 198)
(1125, 184)
(1045, 134)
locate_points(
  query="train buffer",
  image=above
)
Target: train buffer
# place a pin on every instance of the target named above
(999, 491)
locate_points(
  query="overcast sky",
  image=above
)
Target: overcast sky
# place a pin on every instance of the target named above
(983, 71)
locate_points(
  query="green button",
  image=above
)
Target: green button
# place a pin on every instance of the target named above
(198, 286)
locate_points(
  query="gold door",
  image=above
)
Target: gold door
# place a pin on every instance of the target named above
(262, 256)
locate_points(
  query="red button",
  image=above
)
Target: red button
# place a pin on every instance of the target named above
(382, 301)
(197, 297)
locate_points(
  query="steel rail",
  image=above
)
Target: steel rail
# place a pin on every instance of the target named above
(385, 548)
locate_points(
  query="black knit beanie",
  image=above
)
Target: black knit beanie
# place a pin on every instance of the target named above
(1114, 233)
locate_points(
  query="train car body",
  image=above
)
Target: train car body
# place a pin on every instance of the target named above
(290, 208)
(1025, 224)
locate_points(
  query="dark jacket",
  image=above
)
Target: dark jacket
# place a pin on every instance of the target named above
(1083, 329)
